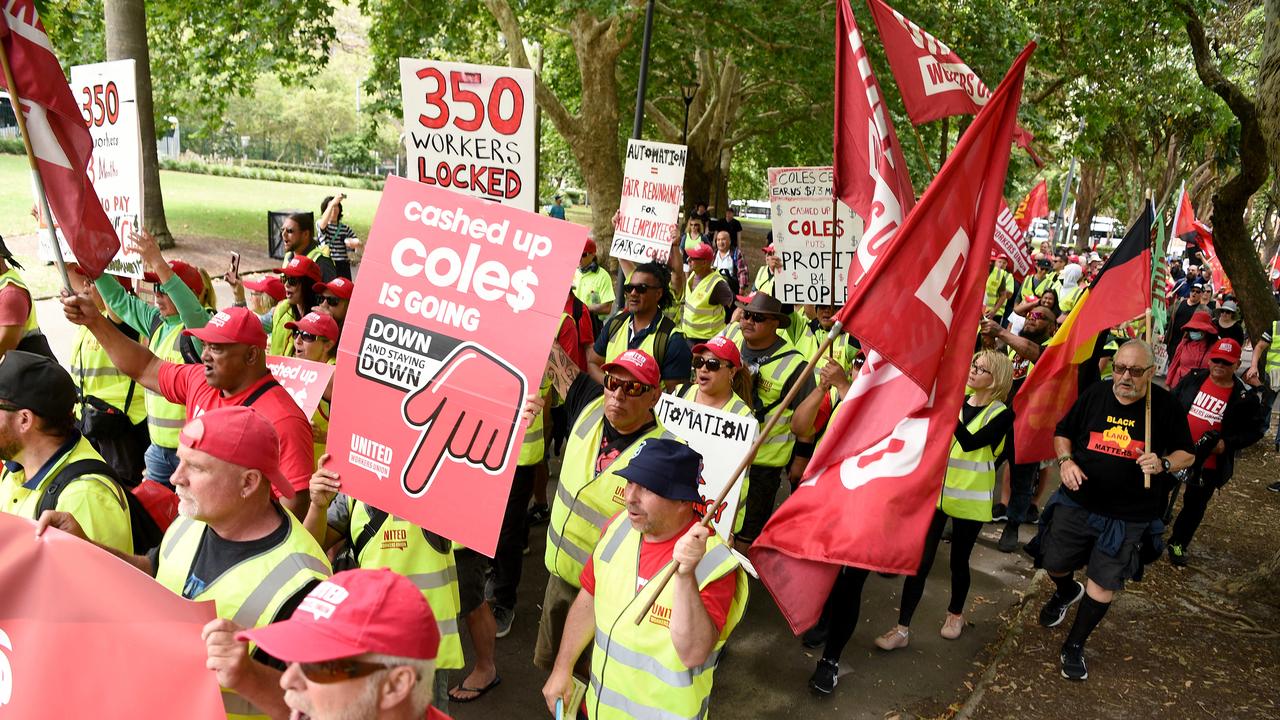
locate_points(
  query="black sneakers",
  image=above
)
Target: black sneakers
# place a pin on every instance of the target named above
(1275, 486)
(999, 513)
(1177, 555)
(1073, 667)
(1008, 538)
(824, 677)
(1055, 611)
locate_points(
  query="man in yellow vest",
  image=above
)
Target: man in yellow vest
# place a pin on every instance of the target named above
(298, 233)
(590, 490)
(234, 545)
(18, 327)
(1265, 368)
(763, 281)
(592, 284)
(706, 295)
(999, 287)
(664, 666)
(38, 441)
(642, 325)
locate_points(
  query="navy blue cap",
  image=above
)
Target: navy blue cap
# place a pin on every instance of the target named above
(666, 467)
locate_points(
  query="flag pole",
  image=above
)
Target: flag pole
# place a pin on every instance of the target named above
(16, 101)
(1146, 479)
(836, 330)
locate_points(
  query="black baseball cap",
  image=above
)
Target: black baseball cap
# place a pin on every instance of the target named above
(666, 467)
(36, 383)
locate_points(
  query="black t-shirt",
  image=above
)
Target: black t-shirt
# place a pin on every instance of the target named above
(1235, 332)
(1107, 438)
(988, 435)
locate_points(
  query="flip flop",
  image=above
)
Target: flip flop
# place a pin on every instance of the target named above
(479, 692)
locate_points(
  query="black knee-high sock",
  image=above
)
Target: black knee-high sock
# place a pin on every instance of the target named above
(1066, 585)
(1087, 618)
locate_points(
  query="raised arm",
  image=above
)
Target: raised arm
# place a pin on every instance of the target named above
(128, 356)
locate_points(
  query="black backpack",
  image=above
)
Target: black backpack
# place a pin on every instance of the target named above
(185, 344)
(146, 533)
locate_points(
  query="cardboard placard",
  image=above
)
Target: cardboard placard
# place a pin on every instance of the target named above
(814, 239)
(652, 193)
(304, 380)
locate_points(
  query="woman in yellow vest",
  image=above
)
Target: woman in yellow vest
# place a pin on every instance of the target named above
(705, 297)
(300, 276)
(19, 329)
(316, 339)
(721, 382)
(967, 493)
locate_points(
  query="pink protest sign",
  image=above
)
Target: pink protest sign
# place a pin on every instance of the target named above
(458, 303)
(306, 380)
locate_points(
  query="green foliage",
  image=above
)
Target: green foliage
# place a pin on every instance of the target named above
(351, 152)
(273, 174)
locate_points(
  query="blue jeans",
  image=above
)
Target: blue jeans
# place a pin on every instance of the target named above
(161, 463)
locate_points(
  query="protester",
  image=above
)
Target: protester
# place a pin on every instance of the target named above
(337, 237)
(112, 410)
(695, 234)
(18, 326)
(234, 372)
(557, 208)
(706, 294)
(730, 224)
(264, 293)
(1197, 300)
(700, 212)
(729, 262)
(641, 325)
(968, 489)
(1041, 281)
(772, 266)
(365, 648)
(298, 234)
(1103, 517)
(1071, 288)
(1198, 336)
(999, 287)
(176, 286)
(593, 284)
(606, 424)
(334, 298)
(316, 339)
(233, 545)
(1224, 416)
(301, 276)
(381, 540)
(1048, 300)
(1226, 321)
(664, 667)
(47, 462)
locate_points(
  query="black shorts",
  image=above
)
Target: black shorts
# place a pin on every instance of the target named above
(471, 579)
(1071, 542)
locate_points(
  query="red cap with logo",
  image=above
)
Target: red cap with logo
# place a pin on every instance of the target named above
(269, 284)
(241, 436)
(232, 325)
(316, 324)
(339, 286)
(300, 266)
(353, 613)
(639, 363)
(187, 273)
(701, 251)
(1225, 349)
(721, 347)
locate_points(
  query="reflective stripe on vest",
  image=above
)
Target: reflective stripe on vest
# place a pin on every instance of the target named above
(1273, 351)
(618, 340)
(165, 419)
(93, 373)
(281, 342)
(702, 319)
(770, 385)
(969, 486)
(635, 669)
(585, 500)
(401, 546)
(534, 447)
(996, 283)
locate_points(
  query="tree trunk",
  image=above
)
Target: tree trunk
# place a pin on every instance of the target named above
(126, 32)
(1091, 177)
(1269, 83)
(1262, 584)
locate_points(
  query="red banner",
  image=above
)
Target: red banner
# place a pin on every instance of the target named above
(85, 635)
(1204, 238)
(305, 380)
(1184, 218)
(873, 482)
(869, 174)
(458, 303)
(1034, 205)
(1009, 238)
(59, 137)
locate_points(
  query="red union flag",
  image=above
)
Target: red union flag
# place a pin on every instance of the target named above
(869, 173)
(85, 635)
(1008, 237)
(59, 137)
(873, 482)
(933, 80)
(1034, 205)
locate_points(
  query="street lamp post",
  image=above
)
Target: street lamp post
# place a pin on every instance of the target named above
(687, 91)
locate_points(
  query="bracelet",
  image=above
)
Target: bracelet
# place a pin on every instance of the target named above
(1062, 459)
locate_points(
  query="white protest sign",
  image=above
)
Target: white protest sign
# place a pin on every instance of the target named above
(652, 192)
(304, 380)
(107, 96)
(815, 240)
(470, 129)
(721, 438)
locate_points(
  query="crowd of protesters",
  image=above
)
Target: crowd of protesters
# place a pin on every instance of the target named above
(169, 443)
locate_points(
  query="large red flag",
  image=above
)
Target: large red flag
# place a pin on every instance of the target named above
(933, 80)
(1120, 292)
(59, 137)
(869, 172)
(85, 635)
(1184, 218)
(1034, 205)
(1204, 238)
(872, 484)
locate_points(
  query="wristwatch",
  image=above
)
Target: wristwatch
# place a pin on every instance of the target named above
(1164, 462)
(1064, 458)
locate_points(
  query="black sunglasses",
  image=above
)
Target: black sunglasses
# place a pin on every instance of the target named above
(630, 388)
(639, 288)
(712, 364)
(757, 317)
(1215, 361)
(291, 280)
(307, 337)
(332, 671)
(331, 301)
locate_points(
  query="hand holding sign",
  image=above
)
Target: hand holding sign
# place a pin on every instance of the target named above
(445, 410)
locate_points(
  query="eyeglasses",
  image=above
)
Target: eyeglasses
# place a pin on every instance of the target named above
(1037, 316)
(712, 364)
(979, 369)
(291, 280)
(630, 388)
(332, 671)
(307, 337)
(331, 301)
(1134, 371)
(1215, 361)
(639, 288)
(757, 317)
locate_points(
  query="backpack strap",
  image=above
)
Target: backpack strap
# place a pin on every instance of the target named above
(376, 519)
(73, 472)
(262, 390)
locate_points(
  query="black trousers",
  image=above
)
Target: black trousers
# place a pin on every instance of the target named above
(508, 559)
(1195, 500)
(964, 535)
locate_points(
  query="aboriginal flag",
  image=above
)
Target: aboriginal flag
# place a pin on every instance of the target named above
(1120, 292)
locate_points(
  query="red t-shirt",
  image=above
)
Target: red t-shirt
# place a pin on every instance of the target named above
(434, 714)
(574, 337)
(15, 305)
(1206, 413)
(185, 384)
(716, 597)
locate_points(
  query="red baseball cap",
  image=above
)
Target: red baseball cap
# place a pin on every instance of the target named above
(639, 363)
(1225, 349)
(721, 347)
(339, 286)
(232, 325)
(188, 274)
(241, 436)
(701, 251)
(316, 324)
(269, 284)
(300, 266)
(767, 249)
(589, 247)
(352, 613)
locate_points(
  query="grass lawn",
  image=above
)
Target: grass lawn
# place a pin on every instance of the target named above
(200, 205)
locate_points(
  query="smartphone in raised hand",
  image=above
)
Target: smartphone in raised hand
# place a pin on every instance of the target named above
(235, 264)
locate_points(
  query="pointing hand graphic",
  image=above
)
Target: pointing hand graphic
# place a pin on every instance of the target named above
(455, 411)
